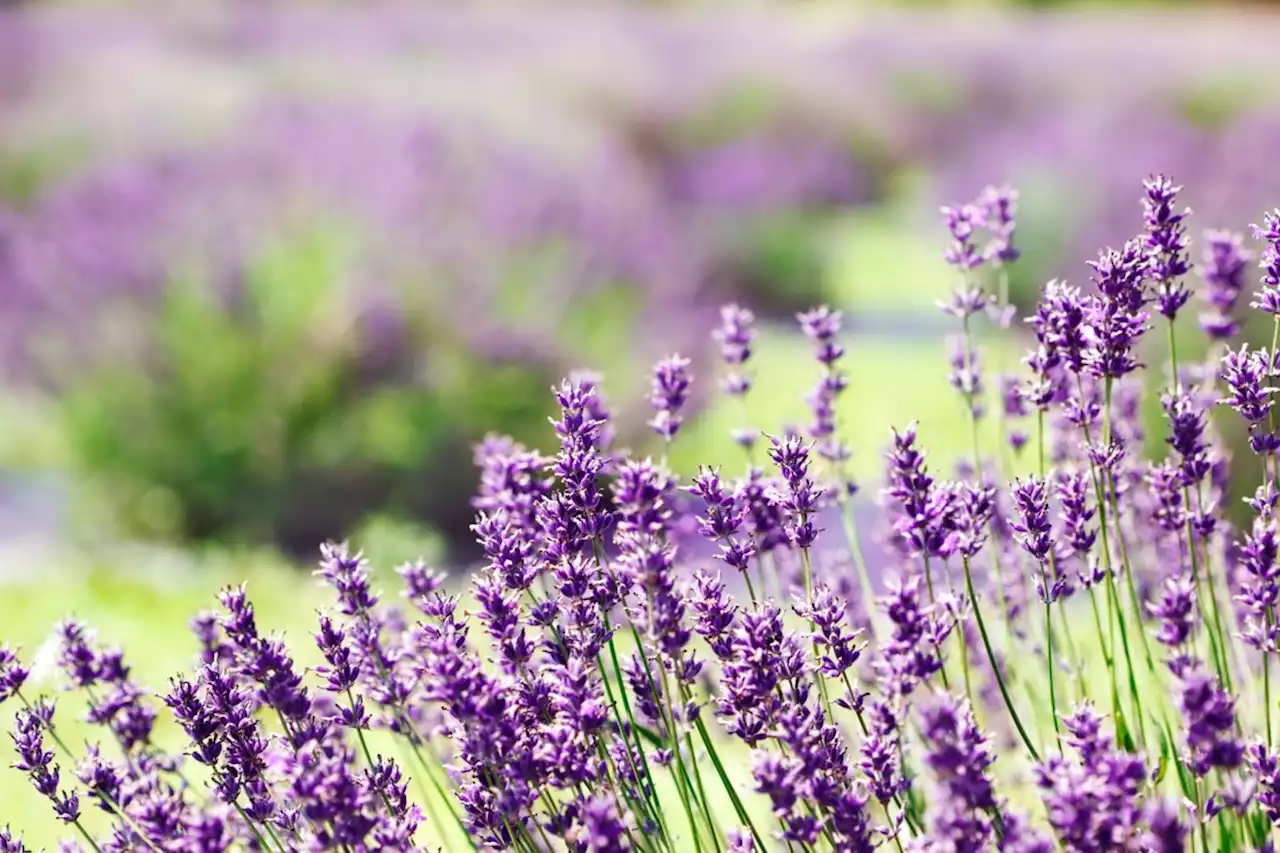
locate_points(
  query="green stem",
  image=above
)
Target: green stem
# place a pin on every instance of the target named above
(738, 807)
(850, 525)
(1048, 640)
(942, 667)
(995, 666)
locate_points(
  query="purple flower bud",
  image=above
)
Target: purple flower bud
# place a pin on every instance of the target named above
(1031, 499)
(1265, 766)
(10, 844)
(1209, 712)
(668, 394)
(1176, 612)
(961, 221)
(12, 673)
(802, 499)
(37, 762)
(1115, 319)
(1225, 259)
(348, 574)
(1267, 298)
(1186, 434)
(957, 753)
(1000, 205)
(1246, 374)
(1166, 244)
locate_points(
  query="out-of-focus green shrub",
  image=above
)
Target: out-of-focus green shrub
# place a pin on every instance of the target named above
(283, 413)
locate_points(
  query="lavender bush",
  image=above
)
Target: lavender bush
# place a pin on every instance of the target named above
(1076, 658)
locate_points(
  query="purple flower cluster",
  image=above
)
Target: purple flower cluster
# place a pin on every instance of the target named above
(580, 693)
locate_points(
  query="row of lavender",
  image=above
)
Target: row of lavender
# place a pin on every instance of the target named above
(598, 707)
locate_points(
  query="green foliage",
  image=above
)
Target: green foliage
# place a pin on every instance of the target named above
(258, 416)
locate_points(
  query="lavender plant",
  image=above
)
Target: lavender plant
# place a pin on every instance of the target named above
(600, 687)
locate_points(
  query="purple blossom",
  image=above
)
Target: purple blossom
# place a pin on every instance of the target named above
(1093, 804)
(822, 327)
(1035, 533)
(801, 500)
(1176, 610)
(1186, 434)
(966, 373)
(723, 518)
(963, 254)
(1000, 206)
(1209, 712)
(12, 673)
(1166, 244)
(1115, 317)
(11, 844)
(1264, 763)
(1267, 298)
(668, 393)
(1072, 492)
(834, 642)
(1225, 260)
(37, 762)
(957, 753)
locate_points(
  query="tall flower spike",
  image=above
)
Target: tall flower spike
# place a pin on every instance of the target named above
(802, 499)
(37, 762)
(668, 393)
(1246, 373)
(1166, 244)
(1116, 319)
(735, 336)
(963, 252)
(1225, 259)
(1001, 207)
(1267, 298)
(12, 673)
(1209, 712)
(956, 751)
(822, 326)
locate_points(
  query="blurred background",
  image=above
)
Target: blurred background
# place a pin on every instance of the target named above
(267, 271)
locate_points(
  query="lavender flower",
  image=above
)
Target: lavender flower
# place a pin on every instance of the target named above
(1076, 513)
(1115, 317)
(957, 753)
(801, 500)
(821, 326)
(1264, 763)
(723, 519)
(1186, 434)
(10, 844)
(1000, 206)
(1176, 611)
(1035, 533)
(1210, 716)
(37, 762)
(1166, 244)
(963, 253)
(1267, 298)
(12, 673)
(1246, 373)
(1093, 805)
(735, 335)
(668, 394)
(1225, 259)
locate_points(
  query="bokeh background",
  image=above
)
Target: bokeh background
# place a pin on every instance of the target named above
(268, 270)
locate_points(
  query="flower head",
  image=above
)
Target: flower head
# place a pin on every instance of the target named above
(1225, 260)
(668, 393)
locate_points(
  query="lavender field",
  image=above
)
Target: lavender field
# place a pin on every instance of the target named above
(791, 428)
